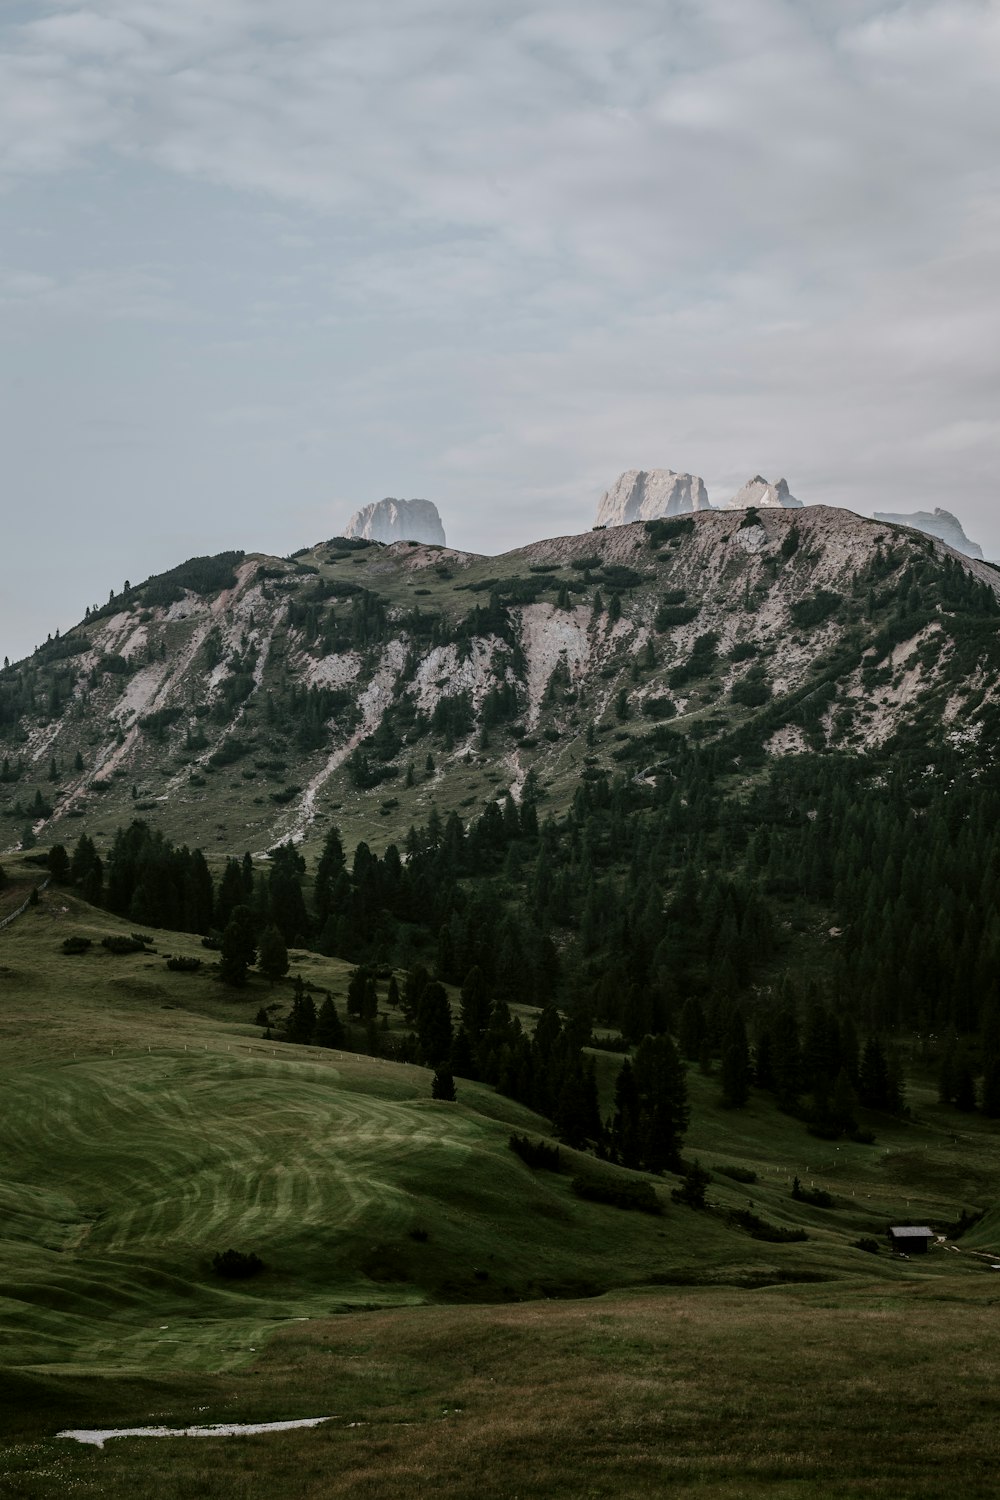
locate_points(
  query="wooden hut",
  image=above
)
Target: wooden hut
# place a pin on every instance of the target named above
(910, 1239)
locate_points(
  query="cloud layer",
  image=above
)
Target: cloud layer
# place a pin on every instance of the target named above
(300, 256)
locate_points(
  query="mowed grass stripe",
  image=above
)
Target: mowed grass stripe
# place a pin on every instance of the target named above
(123, 1176)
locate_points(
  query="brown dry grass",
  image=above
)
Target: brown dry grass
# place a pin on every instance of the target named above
(869, 1392)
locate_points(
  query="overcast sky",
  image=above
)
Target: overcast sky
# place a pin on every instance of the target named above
(264, 261)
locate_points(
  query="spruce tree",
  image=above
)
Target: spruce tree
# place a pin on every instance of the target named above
(329, 1027)
(735, 1073)
(443, 1085)
(238, 949)
(272, 955)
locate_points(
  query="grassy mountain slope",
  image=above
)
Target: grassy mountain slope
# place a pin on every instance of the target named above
(254, 699)
(147, 1125)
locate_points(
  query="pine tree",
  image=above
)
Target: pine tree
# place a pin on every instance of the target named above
(434, 1030)
(330, 867)
(443, 1085)
(476, 1004)
(735, 1064)
(300, 1025)
(272, 955)
(329, 1027)
(238, 949)
(625, 1125)
(661, 1091)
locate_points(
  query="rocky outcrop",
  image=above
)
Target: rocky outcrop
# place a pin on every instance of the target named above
(392, 520)
(939, 523)
(758, 492)
(647, 494)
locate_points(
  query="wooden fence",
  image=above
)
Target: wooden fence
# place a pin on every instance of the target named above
(24, 905)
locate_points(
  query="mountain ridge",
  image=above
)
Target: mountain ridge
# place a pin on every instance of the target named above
(446, 677)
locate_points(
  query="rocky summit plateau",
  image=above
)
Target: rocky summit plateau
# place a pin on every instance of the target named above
(939, 523)
(393, 520)
(759, 492)
(648, 494)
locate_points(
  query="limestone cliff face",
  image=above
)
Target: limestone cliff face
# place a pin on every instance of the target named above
(757, 491)
(392, 520)
(648, 494)
(262, 698)
(940, 523)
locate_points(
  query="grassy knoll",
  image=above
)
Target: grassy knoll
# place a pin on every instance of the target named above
(494, 1333)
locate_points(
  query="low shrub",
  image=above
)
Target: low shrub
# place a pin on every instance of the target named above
(235, 1266)
(815, 1197)
(760, 1229)
(536, 1154)
(183, 965)
(77, 944)
(737, 1174)
(122, 944)
(619, 1192)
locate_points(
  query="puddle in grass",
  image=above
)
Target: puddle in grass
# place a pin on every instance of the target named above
(98, 1436)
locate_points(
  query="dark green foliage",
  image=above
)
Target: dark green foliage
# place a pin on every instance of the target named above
(120, 944)
(329, 1027)
(453, 716)
(815, 609)
(76, 944)
(751, 690)
(668, 530)
(59, 865)
(692, 1190)
(736, 1071)
(619, 1192)
(148, 880)
(760, 1229)
(866, 1243)
(815, 1197)
(737, 1174)
(443, 1085)
(272, 954)
(433, 1022)
(660, 707)
(202, 575)
(238, 949)
(699, 664)
(235, 1265)
(300, 1023)
(790, 543)
(183, 965)
(536, 1154)
(670, 615)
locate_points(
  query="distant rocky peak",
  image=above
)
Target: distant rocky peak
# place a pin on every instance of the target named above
(648, 494)
(941, 523)
(392, 520)
(757, 491)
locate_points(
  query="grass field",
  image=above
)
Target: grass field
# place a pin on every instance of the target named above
(493, 1333)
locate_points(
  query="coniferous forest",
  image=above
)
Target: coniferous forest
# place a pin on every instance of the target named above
(799, 935)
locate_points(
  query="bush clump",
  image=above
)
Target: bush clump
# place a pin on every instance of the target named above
(816, 1197)
(536, 1154)
(234, 1265)
(737, 1174)
(619, 1192)
(760, 1229)
(183, 965)
(76, 944)
(122, 944)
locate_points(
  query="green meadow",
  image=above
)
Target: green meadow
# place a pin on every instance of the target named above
(468, 1324)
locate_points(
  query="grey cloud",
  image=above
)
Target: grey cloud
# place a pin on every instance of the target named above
(498, 254)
